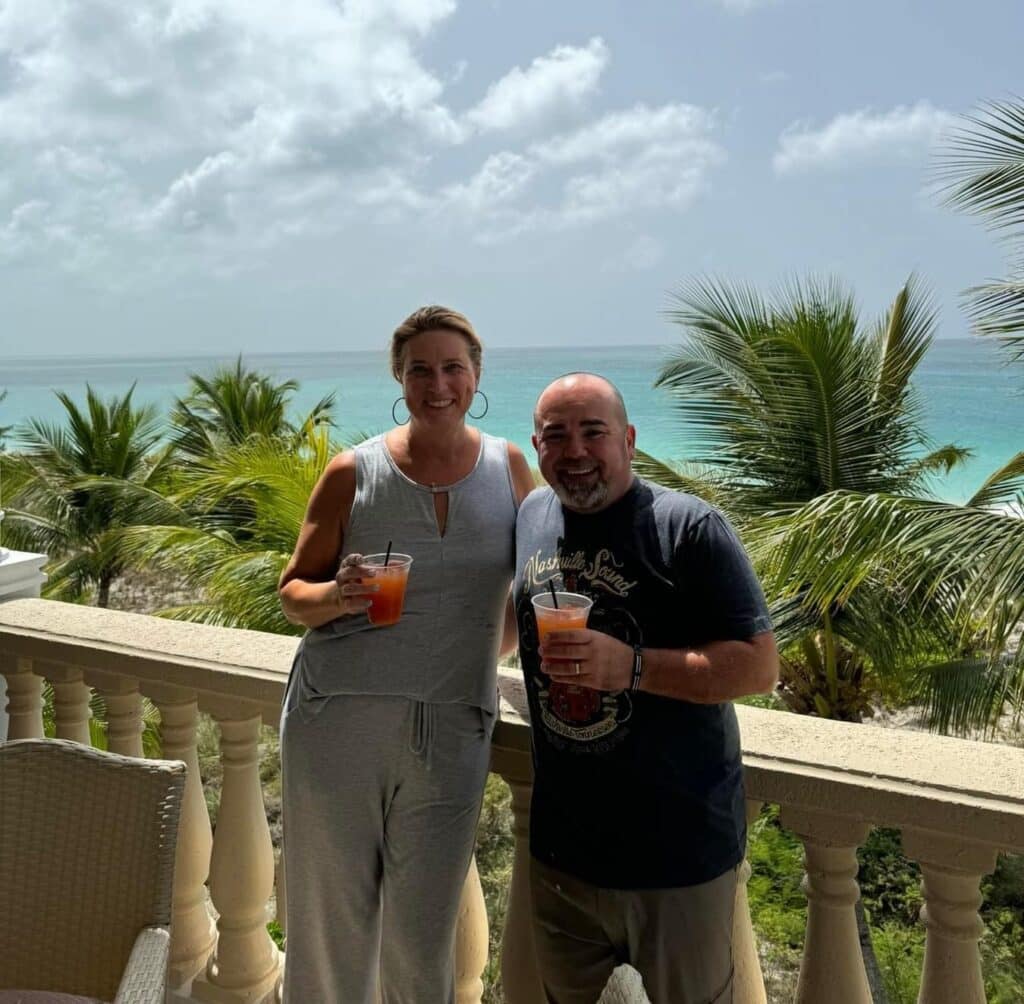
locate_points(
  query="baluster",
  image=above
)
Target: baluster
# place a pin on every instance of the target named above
(952, 870)
(124, 716)
(748, 981)
(192, 929)
(471, 934)
(71, 704)
(832, 968)
(520, 978)
(24, 701)
(245, 964)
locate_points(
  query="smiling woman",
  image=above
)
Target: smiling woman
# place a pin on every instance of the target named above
(398, 716)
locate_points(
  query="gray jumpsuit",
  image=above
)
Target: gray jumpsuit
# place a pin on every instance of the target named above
(385, 740)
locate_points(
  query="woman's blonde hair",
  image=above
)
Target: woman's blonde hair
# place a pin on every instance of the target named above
(435, 318)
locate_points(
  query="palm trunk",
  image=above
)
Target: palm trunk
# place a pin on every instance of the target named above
(103, 596)
(871, 968)
(831, 669)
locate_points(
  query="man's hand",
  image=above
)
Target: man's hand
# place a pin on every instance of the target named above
(588, 659)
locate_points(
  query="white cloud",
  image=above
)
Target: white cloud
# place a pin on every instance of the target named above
(199, 115)
(624, 162)
(500, 179)
(549, 86)
(617, 133)
(197, 136)
(861, 136)
(202, 197)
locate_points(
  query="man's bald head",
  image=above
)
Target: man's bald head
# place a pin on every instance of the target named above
(584, 441)
(578, 384)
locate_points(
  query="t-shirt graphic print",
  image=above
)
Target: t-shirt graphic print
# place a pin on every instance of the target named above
(572, 713)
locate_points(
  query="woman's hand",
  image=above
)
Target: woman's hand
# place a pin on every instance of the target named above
(354, 591)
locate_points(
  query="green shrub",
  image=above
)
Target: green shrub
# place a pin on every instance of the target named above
(900, 953)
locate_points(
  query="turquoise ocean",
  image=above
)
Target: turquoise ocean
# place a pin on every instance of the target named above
(970, 396)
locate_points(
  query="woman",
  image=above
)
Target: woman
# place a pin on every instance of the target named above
(386, 730)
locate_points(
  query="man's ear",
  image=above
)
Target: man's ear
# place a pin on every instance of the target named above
(533, 439)
(631, 438)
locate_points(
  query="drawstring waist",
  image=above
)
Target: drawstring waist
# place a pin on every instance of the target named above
(424, 727)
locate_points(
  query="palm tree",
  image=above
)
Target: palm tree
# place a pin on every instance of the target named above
(235, 405)
(787, 399)
(973, 554)
(229, 526)
(56, 505)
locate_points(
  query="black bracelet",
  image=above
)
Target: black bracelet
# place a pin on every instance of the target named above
(638, 668)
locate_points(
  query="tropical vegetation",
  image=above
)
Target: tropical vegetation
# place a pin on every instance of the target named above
(971, 556)
(785, 399)
(55, 482)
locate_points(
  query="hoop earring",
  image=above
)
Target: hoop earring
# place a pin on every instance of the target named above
(394, 416)
(487, 405)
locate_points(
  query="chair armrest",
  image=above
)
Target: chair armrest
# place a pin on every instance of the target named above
(145, 977)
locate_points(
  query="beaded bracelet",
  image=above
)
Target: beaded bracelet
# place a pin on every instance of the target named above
(638, 667)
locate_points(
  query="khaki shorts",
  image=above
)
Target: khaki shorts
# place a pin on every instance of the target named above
(679, 939)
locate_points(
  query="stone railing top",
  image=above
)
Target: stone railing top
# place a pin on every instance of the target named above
(243, 665)
(887, 776)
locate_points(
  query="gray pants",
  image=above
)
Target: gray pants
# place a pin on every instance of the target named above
(680, 940)
(381, 797)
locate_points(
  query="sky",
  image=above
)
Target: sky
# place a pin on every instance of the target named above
(182, 177)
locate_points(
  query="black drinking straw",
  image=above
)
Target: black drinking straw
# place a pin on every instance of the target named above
(554, 596)
(387, 556)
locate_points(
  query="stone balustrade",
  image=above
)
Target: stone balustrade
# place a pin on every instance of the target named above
(957, 804)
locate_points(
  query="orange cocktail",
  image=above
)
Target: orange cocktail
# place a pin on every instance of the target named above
(568, 701)
(386, 604)
(572, 612)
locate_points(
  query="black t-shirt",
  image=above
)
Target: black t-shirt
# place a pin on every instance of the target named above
(636, 791)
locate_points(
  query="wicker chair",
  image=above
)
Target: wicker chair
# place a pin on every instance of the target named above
(87, 842)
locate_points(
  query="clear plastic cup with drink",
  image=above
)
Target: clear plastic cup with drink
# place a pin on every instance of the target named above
(390, 575)
(570, 702)
(561, 612)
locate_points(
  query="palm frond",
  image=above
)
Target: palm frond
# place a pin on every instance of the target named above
(971, 694)
(834, 544)
(984, 166)
(939, 461)
(790, 399)
(904, 336)
(703, 482)
(1004, 487)
(983, 172)
(997, 308)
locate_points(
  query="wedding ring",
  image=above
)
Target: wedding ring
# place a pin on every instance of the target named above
(577, 668)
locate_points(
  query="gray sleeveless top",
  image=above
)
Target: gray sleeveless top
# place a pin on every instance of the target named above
(445, 647)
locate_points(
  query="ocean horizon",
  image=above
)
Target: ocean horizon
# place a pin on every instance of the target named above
(969, 395)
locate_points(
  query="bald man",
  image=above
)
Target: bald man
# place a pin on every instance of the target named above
(638, 823)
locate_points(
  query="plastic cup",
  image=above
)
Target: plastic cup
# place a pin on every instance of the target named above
(386, 604)
(572, 612)
(568, 701)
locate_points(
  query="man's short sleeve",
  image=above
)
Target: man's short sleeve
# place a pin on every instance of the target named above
(720, 582)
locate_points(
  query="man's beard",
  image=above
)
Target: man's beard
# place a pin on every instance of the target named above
(582, 499)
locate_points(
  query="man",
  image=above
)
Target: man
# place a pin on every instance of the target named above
(637, 824)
